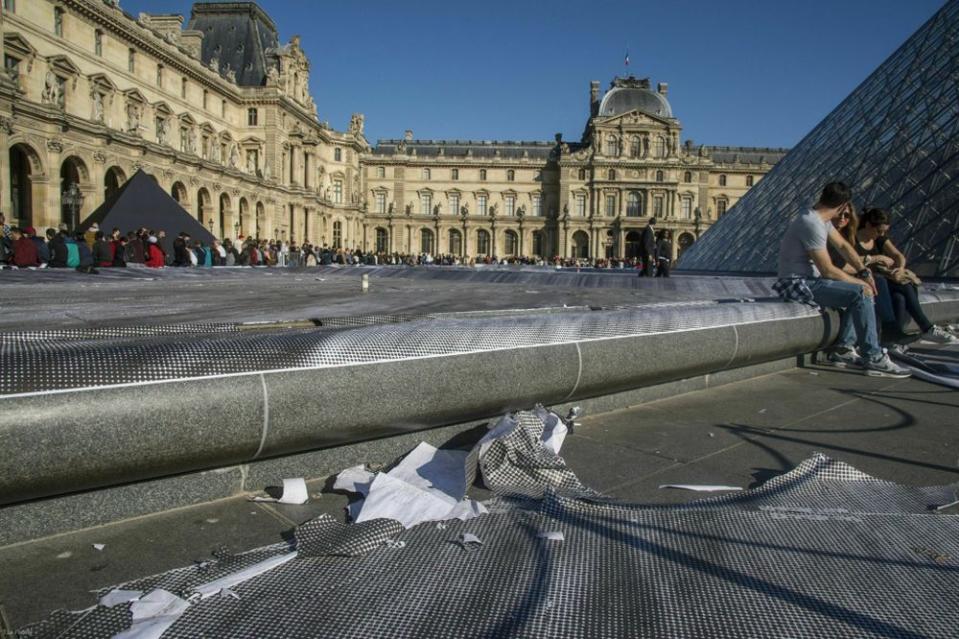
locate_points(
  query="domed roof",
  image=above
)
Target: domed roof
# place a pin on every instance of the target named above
(630, 94)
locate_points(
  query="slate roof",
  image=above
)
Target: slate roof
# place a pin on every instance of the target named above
(459, 148)
(745, 154)
(239, 34)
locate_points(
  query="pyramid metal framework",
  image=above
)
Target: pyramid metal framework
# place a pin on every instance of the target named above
(894, 140)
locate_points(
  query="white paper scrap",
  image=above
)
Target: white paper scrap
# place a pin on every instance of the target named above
(470, 538)
(393, 498)
(354, 480)
(466, 509)
(226, 593)
(228, 581)
(554, 432)
(552, 535)
(704, 488)
(294, 492)
(428, 467)
(117, 597)
(99, 546)
(153, 614)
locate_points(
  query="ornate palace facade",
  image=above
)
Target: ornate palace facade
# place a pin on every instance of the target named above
(221, 115)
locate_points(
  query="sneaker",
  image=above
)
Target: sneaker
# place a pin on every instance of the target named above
(885, 367)
(937, 335)
(843, 357)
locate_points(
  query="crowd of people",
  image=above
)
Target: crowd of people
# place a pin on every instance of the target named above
(93, 249)
(830, 257)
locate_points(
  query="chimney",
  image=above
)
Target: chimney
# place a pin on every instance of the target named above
(408, 136)
(593, 93)
(663, 88)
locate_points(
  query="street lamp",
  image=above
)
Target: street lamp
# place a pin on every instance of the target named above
(73, 199)
(699, 218)
(236, 229)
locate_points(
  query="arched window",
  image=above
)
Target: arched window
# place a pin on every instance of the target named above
(634, 147)
(660, 147)
(483, 174)
(582, 174)
(510, 175)
(512, 243)
(426, 241)
(634, 204)
(688, 177)
(659, 176)
(482, 242)
(611, 174)
(381, 171)
(456, 242)
(722, 180)
(426, 174)
(612, 145)
(382, 241)
(337, 235)
(749, 180)
(721, 205)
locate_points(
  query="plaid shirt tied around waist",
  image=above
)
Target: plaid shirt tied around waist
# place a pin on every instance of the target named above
(795, 289)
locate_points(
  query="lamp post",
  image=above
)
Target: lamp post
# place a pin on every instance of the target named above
(73, 199)
(236, 230)
(699, 218)
(210, 224)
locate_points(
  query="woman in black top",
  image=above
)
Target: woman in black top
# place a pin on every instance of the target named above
(878, 251)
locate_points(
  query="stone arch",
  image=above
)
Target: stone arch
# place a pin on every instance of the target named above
(455, 242)
(510, 243)
(204, 206)
(260, 219)
(74, 176)
(179, 193)
(633, 240)
(225, 211)
(113, 179)
(382, 240)
(244, 208)
(580, 245)
(25, 166)
(427, 241)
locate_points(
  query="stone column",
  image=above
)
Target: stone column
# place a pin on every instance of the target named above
(621, 246)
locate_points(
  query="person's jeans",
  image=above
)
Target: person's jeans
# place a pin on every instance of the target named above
(906, 301)
(883, 300)
(858, 325)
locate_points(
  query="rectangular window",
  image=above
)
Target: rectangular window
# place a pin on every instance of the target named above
(160, 75)
(98, 42)
(183, 88)
(455, 174)
(481, 205)
(658, 206)
(222, 108)
(206, 95)
(720, 208)
(687, 208)
(610, 206)
(205, 146)
(131, 60)
(483, 174)
(426, 203)
(381, 202)
(426, 174)
(581, 205)
(537, 206)
(380, 172)
(454, 203)
(337, 191)
(509, 204)
(58, 21)
(252, 117)
(337, 155)
(10, 6)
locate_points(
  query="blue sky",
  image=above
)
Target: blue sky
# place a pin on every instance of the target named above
(740, 72)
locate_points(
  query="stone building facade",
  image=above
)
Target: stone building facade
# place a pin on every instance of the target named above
(221, 115)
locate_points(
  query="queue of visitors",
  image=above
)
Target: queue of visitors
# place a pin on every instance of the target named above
(826, 259)
(93, 249)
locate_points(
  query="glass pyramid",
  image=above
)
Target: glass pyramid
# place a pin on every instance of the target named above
(894, 140)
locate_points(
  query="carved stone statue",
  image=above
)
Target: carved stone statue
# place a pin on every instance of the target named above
(250, 163)
(97, 106)
(133, 117)
(191, 141)
(267, 171)
(389, 211)
(161, 130)
(357, 121)
(409, 209)
(51, 89)
(645, 146)
(436, 210)
(465, 210)
(229, 73)
(234, 157)
(272, 77)
(214, 64)
(492, 211)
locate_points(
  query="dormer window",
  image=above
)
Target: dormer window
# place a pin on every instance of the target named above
(722, 180)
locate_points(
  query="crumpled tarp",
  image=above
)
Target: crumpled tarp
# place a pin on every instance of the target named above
(822, 551)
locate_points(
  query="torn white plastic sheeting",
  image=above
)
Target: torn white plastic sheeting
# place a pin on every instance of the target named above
(554, 429)
(428, 485)
(153, 614)
(99, 546)
(469, 541)
(228, 581)
(226, 593)
(354, 480)
(294, 492)
(117, 597)
(700, 488)
(552, 535)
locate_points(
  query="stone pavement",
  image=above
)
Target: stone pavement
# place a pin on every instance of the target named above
(740, 434)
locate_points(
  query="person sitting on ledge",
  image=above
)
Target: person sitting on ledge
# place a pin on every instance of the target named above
(24, 250)
(155, 258)
(807, 275)
(889, 264)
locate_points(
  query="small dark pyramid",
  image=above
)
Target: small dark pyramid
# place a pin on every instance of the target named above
(141, 202)
(894, 140)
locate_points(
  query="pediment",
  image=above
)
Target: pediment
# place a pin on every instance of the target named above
(17, 45)
(102, 81)
(186, 118)
(64, 65)
(162, 107)
(135, 95)
(634, 118)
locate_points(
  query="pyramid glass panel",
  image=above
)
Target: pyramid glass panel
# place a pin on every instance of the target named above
(894, 140)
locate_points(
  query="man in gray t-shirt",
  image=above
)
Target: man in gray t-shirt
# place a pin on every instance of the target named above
(807, 274)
